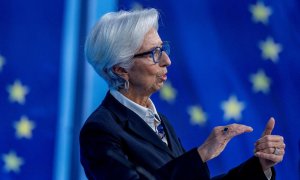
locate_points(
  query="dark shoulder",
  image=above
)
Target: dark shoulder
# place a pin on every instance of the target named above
(101, 120)
(100, 115)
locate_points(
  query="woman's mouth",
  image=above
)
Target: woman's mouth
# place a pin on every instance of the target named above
(163, 76)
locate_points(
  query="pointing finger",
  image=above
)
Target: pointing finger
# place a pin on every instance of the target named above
(237, 129)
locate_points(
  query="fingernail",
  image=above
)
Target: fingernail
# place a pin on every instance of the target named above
(272, 118)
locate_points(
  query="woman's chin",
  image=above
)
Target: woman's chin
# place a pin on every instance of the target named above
(160, 85)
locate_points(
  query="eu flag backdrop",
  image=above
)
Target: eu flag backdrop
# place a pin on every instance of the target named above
(30, 38)
(232, 62)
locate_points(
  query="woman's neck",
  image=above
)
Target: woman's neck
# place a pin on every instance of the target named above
(136, 97)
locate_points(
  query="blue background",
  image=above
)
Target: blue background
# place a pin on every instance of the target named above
(214, 50)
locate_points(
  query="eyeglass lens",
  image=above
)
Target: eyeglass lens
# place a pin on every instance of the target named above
(157, 52)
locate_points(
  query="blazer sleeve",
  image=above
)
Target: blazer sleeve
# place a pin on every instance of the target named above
(250, 169)
(187, 166)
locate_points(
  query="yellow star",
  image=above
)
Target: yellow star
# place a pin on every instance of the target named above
(2, 62)
(260, 12)
(24, 128)
(167, 92)
(270, 49)
(232, 108)
(17, 92)
(197, 115)
(12, 162)
(260, 82)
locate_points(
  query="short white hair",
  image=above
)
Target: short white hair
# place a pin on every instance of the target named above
(114, 40)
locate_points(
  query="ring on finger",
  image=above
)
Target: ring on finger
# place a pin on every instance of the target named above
(276, 151)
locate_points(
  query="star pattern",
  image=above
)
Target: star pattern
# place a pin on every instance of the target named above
(260, 82)
(17, 92)
(270, 49)
(197, 115)
(167, 92)
(24, 128)
(2, 62)
(260, 13)
(232, 108)
(12, 162)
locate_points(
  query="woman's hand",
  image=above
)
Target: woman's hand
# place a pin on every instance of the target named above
(218, 139)
(269, 148)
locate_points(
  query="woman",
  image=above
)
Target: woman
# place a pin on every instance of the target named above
(125, 137)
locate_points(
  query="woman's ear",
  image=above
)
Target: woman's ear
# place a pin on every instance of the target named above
(122, 72)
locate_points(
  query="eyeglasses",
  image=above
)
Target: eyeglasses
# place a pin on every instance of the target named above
(156, 52)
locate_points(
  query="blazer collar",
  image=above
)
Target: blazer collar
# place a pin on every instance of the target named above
(132, 122)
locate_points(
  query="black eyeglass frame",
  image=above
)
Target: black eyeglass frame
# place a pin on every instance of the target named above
(165, 47)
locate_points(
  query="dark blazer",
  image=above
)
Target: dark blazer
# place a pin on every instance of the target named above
(115, 143)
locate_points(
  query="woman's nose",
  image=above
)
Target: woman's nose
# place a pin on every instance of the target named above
(165, 59)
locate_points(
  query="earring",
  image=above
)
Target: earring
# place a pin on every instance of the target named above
(126, 85)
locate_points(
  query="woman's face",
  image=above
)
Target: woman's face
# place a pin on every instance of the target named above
(146, 77)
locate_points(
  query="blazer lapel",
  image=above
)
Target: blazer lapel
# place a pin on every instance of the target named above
(134, 123)
(139, 127)
(172, 139)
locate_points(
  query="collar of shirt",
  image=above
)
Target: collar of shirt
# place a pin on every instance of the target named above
(147, 114)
